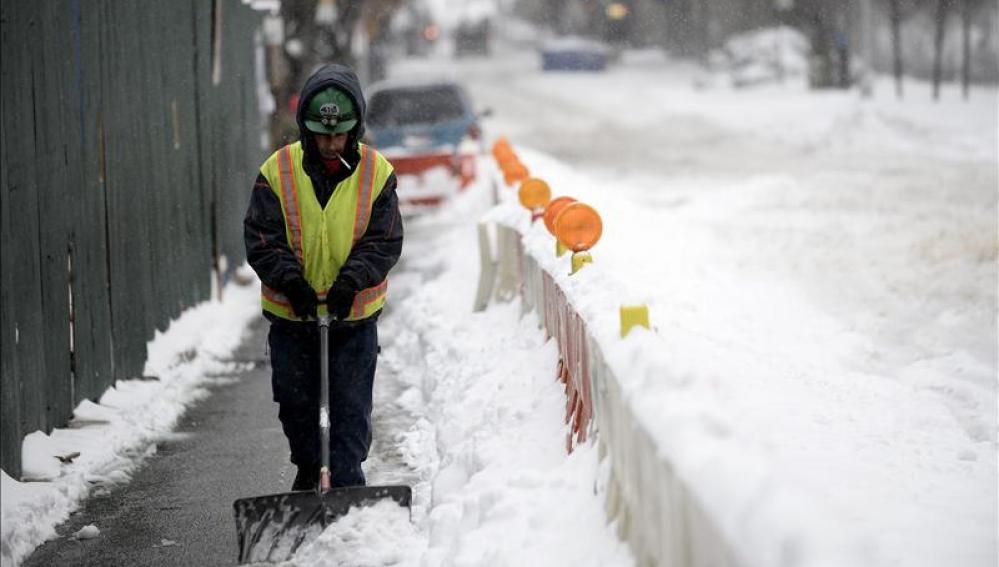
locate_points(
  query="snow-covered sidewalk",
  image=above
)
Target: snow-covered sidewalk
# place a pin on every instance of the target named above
(106, 442)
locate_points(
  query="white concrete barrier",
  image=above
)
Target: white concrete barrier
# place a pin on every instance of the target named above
(687, 490)
(655, 512)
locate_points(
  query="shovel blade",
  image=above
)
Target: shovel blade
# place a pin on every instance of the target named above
(272, 528)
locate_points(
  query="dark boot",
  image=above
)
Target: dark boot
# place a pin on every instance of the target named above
(307, 478)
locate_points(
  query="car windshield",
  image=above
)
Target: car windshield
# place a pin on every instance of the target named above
(418, 105)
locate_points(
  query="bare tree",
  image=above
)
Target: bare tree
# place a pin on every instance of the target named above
(335, 39)
(820, 20)
(968, 9)
(895, 14)
(318, 32)
(320, 41)
(376, 17)
(898, 12)
(940, 23)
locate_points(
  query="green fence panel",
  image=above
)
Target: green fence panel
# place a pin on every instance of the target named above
(22, 263)
(55, 127)
(93, 362)
(129, 141)
(126, 209)
(10, 386)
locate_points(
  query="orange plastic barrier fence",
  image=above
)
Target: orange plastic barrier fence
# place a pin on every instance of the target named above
(569, 331)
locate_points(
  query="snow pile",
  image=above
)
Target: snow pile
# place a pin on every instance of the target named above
(502, 475)
(824, 121)
(666, 119)
(574, 44)
(111, 439)
(372, 536)
(435, 183)
(497, 486)
(790, 389)
(87, 532)
(761, 56)
(821, 270)
(451, 13)
(719, 466)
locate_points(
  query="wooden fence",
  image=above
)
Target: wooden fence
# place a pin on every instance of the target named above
(129, 142)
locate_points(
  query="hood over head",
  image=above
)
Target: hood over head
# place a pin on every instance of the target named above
(344, 79)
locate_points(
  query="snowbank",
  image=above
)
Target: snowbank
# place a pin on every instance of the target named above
(686, 485)
(821, 271)
(105, 442)
(493, 484)
(751, 395)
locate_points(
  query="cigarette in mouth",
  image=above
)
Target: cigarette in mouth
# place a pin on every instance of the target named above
(344, 162)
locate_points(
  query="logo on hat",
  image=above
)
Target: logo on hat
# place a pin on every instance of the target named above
(330, 114)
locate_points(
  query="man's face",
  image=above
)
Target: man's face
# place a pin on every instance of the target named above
(330, 145)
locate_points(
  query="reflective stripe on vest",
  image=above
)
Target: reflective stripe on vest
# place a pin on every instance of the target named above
(292, 216)
(366, 297)
(321, 238)
(363, 213)
(362, 300)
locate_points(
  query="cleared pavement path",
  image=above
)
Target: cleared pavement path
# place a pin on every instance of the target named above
(226, 447)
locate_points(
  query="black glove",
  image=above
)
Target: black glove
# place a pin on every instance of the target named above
(302, 297)
(339, 300)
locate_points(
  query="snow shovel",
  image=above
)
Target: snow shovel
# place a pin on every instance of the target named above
(271, 528)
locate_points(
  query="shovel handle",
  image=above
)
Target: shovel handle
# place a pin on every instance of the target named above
(324, 403)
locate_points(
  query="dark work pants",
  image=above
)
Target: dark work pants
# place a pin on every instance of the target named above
(295, 379)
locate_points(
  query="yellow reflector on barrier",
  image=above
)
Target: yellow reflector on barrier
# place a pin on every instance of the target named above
(580, 259)
(632, 315)
(560, 249)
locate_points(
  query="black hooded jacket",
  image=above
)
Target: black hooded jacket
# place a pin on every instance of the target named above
(372, 256)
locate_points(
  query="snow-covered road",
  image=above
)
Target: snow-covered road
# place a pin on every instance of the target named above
(824, 263)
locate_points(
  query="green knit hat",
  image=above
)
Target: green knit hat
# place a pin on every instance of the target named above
(330, 111)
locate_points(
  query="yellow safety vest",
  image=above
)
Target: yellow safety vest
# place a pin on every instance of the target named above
(322, 238)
